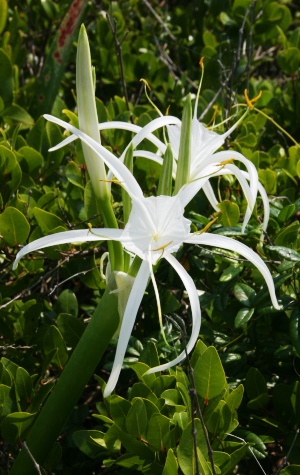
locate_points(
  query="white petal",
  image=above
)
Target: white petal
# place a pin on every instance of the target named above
(196, 313)
(117, 167)
(132, 307)
(232, 154)
(265, 200)
(174, 137)
(155, 124)
(205, 142)
(188, 191)
(64, 142)
(152, 156)
(111, 125)
(210, 195)
(157, 225)
(133, 128)
(225, 242)
(75, 236)
(143, 154)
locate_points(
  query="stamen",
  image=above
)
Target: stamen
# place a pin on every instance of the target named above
(146, 83)
(208, 225)
(213, 117)
(157, 301)
(201, 64)
(162, 247)
(267, 117)
(251, 101)
(112, 181)
(225, 162)
(148, 97)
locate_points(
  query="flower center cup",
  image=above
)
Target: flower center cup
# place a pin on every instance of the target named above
(156, 226)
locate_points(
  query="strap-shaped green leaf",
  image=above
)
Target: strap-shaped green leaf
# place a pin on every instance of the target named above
(184, 155)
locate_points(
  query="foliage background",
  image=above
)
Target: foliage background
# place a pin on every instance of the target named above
(46, 303)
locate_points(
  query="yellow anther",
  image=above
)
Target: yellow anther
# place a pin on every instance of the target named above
(112, 181)
(146, 83)
(251, 101)
(225, 162)
(201, 62)
(213, 116)
(167, 111)
(161, 248)
(208, 225)
(89, 226)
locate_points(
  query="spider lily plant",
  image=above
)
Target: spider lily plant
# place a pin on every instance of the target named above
(155, 230)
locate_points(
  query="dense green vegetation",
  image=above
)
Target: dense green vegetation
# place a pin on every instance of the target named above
(244, 372)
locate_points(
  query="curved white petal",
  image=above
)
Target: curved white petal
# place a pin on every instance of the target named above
(143, 154)
(152, 156)
(209, 192)
(75, 236)
(64, 142)
(196, 313)
(225, 242)
(265, 200)
(210, 195)
(117, 167)
(232, 154)
(205, 142)
(132, 307)
(250, 191)
(146, 132)
(174, 132)
(134, 128)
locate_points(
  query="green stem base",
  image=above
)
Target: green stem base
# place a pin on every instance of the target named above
(70, 386)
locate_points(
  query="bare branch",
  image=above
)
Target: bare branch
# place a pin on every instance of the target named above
(36, 465)
(112, 25)
(160, 21)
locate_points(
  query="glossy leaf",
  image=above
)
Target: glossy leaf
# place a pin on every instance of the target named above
(244, 294)
(185, 451)
(54, 344)
(158, 431)
(230, 213)
(243, 316)
(67, 303)
(15, 424)
(209, 374)
(136, 419)
(24, 386)
(90, 442)
(14, 226)
(171, 465)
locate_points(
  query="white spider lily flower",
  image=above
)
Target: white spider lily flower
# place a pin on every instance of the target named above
(156, 228)
(203, 152)
(198, 172)
(204, 144)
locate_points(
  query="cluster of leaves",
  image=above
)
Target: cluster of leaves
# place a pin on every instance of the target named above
(158, 419)
(46, 303)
